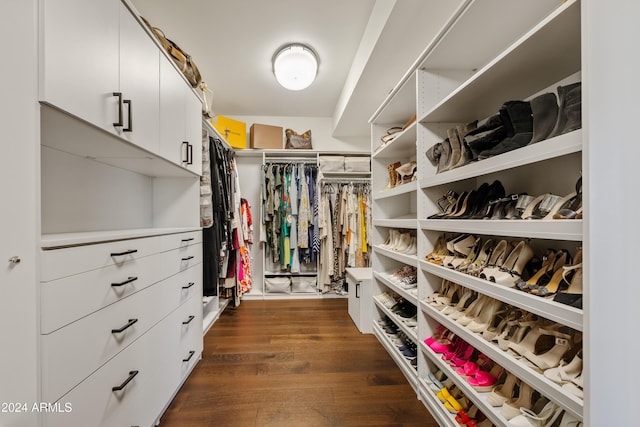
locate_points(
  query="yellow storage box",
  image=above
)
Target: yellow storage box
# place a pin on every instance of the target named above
(233, 131)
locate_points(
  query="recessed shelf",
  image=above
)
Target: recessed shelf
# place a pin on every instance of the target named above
(396, 191)
(403, 145)
(407, 259)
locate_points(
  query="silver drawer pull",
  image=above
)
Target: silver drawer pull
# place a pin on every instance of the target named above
(130, 251)
(191, 353)
(129, 324)
(190, 318)
(129, 280)
(132, 375)
(189, 285)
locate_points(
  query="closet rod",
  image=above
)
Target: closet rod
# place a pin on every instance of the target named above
(284, 161)
(345, 180)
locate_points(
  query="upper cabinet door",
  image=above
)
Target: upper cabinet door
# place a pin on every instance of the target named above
(193, 133)
(80, 58)
(139, 84)
(172, 112)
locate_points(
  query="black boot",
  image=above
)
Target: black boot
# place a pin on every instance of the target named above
(518, 122)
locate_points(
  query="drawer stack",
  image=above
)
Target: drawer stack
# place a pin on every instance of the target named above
(121, 327)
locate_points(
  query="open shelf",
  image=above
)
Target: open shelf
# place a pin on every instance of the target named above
(405, 221)
(544, 150)
(413, 299)
(411, 332)
(405, 367)
(406, 259)
(536, 380)
(396, 191)
(546, 54)
(549, 309)
(435, 407)
(403, 145)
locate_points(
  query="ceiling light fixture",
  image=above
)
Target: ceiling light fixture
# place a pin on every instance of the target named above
(295, 66)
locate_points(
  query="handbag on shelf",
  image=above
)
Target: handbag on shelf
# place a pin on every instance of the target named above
(295, 141)
(180, 57)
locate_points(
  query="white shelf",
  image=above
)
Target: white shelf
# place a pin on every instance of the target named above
(554, 229)
(407, 221)
(413, 299)
(400, 103)
(89, 142)
(405, 367)
(435, 407)
(396, 191)
(406, 259)
(402, 146)
(480, 399)
(52, 241)
(212, 314)
(536, 380)
(549, 309)
(546, 54)
(544, 150)
(411, 332)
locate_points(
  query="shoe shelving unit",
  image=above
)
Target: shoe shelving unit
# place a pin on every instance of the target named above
(537, 49)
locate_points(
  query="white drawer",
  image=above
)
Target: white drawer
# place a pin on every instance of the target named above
(190, 341)
(68, 299)
(58, 263)
(95, 403)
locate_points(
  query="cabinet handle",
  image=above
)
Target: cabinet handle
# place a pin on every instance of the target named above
(132, 375)
(191, 353)
(189, 154)
(119, 95)
(16, 259)
(187, 258)
(188, 240)
(129, 127)
(130, 251)
(129, 280)
(358, 290)
(186, 322)
(186, 152)
(189, 285)
(129, 324)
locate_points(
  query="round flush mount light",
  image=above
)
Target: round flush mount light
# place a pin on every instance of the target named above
(295, 66)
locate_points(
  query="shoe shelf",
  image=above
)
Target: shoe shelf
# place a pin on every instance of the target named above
(411, 332)
(436, 408)
(406, 221)
(479, 399)
(413, 299)
(406, 259)
(549, 309)
(547, 53)
(558, 146)
(403, 145)
(396, 191)
(554, 229)
(405, 366)
(536, 380)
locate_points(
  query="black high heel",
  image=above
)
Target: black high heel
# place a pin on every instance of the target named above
(495, 192)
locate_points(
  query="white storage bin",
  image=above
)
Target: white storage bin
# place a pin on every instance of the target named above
(357, 164)
(331, 163)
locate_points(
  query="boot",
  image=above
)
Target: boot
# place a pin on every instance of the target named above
(486, 136)
(456, 148)
(465, 152)
(391, 169)
(544, 109)
(445, 155)
(518, 123)
(570, 100)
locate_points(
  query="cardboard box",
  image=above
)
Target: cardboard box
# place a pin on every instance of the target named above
(265, 136)
(233, 131)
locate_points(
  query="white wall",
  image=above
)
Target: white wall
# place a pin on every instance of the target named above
(321, 130)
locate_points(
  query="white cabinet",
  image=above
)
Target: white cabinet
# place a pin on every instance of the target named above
(180, 120)
(139, 84)
(360, 298)
(80, 57)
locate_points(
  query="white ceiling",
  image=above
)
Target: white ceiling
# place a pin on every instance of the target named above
(365, 47)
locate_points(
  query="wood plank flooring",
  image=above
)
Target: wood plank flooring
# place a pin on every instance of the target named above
(294, 363)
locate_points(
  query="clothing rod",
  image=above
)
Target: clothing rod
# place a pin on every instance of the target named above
(281, 161)
(346, 180)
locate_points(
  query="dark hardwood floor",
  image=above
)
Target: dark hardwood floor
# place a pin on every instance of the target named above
(294, 363)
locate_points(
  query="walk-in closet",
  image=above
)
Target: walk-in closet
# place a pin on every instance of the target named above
(303, 213)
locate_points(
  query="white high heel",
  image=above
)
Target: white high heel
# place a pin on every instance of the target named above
(537, 417)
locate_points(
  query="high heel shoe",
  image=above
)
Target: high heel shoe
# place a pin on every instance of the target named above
(471, 257)
(483, 320)
(572, 295)
(491, 333)
(465, 299)
(443, 297)
(498, 255)
(483, 381)
(439, 251)
(550, 282)
(481, 260)
(548, 260)
(573, 208)
(503, 392)
(461, 250)
(496, 192)
(551, 358)
(480, 305)
(513, 266)
(566, 372)
(406, 173)
(511, 408)
(575, 387)
(543, 414)
(469, 304)
(528, 342)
